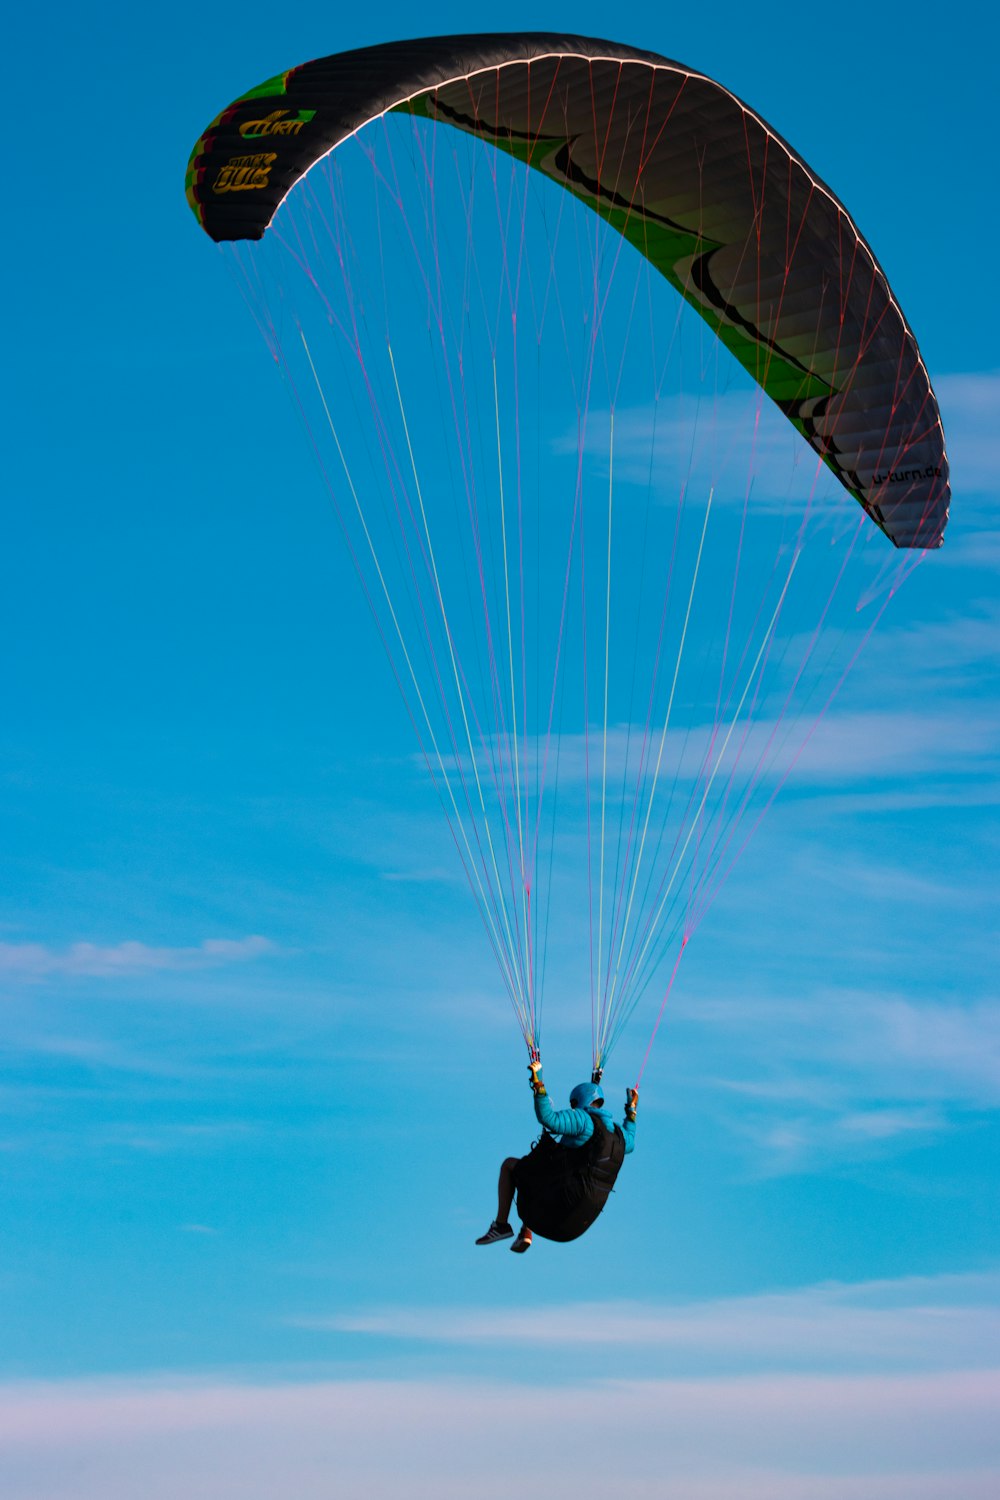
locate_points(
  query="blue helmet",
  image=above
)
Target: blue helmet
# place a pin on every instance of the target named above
(586, 1096)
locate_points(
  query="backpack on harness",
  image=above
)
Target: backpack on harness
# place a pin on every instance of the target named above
(562, 1189)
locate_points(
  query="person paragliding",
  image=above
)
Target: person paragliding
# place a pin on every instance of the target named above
(565, 1180)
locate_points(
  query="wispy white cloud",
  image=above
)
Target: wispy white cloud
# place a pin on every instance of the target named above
(729, 439)
(970, 410)
(162, 1139)
(933, 793)
(885, 1048)
(725, 442)
(845, 745)
(816, 1137)
(973, 549)
(836, 1075)
(887, 1124)
(91, 960)
(880, 879)
(903, 1437)
(840, 747)
(957, 645)
(143, 1139)
(931, 1323)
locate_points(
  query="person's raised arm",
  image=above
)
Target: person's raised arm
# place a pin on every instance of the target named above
(555, 1121)
(628, 1124)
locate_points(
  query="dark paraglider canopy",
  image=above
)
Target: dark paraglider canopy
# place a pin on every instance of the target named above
(686, 172)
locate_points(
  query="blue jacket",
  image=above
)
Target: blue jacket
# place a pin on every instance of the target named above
(575, 1126)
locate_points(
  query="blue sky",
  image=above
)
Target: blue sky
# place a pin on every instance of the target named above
(258, 1071)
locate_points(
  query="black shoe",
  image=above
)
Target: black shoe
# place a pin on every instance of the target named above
(496, 1232)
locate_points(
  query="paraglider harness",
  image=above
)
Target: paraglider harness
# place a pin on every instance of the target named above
(562, 1189)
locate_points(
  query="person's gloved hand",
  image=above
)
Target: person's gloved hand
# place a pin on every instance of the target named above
(537, 1082)
(631, 1103)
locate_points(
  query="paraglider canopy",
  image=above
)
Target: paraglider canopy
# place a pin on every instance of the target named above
(682, 168)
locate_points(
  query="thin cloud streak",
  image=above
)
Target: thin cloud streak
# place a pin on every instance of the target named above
(838, 1076)
(726, 442)
(970, 410)
(840, 748)
(34, 961)
(941, 1323)
(879, 1045)
(730, 438)
(973, 549)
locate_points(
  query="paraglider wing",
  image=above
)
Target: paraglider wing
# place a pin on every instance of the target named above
(685, 171)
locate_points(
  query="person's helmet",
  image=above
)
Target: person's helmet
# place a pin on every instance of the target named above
(586, 1096)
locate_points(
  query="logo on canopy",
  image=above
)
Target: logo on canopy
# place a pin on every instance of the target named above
(279, 122)
(244, 173)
